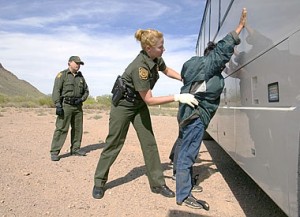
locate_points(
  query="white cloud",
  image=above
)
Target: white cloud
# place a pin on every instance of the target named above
(39, 58)
(35, 45)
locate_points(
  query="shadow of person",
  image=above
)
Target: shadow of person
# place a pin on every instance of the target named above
(132, 175)
(93, 147)
(87, 149)
(203, 172)
(176, 213)
(253, 201)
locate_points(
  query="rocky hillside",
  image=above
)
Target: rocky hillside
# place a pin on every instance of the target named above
(11, 85)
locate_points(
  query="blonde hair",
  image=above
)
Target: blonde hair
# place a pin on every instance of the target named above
(148, 37)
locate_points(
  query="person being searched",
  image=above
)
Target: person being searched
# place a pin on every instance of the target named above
(70, 90)
(132, 93)
(202, 77)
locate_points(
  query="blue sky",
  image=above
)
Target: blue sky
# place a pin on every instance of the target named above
(38, 36)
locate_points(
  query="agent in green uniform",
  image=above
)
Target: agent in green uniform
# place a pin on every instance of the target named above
(138, 81)
(69, 91)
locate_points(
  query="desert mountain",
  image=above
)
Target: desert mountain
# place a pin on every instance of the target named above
(11, 85)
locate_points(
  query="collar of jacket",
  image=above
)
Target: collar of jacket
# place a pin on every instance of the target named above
(78, 73)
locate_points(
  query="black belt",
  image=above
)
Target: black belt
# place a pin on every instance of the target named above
(70, 100)
(132, 96)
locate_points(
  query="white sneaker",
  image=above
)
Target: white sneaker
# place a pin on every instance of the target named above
(197, 188)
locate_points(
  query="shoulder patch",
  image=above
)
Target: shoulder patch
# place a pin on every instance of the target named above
(59, 75)
(143, 73)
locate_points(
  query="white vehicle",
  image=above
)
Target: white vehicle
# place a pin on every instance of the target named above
(258, 121)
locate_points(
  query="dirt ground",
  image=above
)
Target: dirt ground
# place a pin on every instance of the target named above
(32, 185)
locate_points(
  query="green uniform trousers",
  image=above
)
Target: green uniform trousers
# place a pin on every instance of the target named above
(120, 118)
(73, 115)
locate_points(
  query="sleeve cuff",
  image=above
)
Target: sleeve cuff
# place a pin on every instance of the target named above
(236, 38)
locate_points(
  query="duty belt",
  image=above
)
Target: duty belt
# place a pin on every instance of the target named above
(132, 96)
(70, 100)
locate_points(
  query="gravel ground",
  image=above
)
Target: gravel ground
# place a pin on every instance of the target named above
(32, 185)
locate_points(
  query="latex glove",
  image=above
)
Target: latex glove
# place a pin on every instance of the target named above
(186, 98)
(59, 111)
(78, 101)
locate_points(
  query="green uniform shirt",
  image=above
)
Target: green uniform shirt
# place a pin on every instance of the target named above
(68, 85)
(142, 72)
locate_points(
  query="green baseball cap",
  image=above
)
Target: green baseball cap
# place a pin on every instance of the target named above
(76, 59)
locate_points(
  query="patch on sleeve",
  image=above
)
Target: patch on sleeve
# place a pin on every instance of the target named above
(59, 75)
(143, 73)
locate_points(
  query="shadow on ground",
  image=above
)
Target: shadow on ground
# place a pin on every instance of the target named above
(87, 149)
(251, 198)
(179, 213)
(132, 175)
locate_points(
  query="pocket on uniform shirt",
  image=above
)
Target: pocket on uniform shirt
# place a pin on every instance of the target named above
(68, 86)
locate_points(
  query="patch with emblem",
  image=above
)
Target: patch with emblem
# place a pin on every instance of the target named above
(143, 73)
(59, 75)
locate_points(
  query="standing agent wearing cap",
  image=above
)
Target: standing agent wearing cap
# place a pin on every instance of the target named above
(69, 91)
(132, 93)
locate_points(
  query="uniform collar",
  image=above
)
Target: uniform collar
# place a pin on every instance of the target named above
(77, 74)
(151, 63)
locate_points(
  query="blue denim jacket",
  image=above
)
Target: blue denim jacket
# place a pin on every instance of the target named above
(206, 68)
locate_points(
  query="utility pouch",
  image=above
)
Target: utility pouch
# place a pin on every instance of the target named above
(118, 91)
(131, 96)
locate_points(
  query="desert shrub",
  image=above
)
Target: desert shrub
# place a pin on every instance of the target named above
(46, 102)
(3, 99)
(104, 100)
(99, 103)
(24, 101)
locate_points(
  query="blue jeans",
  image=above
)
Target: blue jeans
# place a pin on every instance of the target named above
(192, 135)
(175, 150)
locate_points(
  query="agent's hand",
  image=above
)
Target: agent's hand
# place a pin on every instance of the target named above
(78, 101)
(59, 111)
(186, 98)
